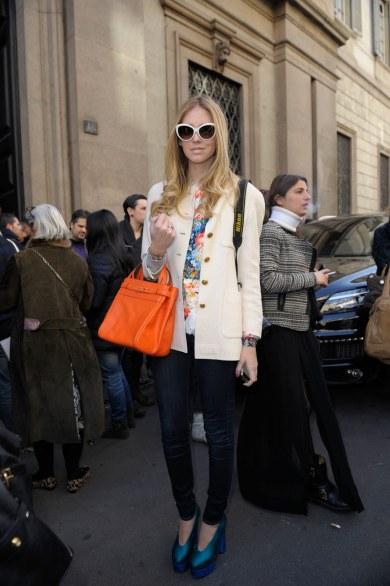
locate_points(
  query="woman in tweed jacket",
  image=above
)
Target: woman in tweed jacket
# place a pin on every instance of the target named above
(277, 465)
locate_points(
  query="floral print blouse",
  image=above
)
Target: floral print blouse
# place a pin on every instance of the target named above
(193, 263)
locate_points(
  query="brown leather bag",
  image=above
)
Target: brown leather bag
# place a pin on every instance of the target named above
(377, 338)
(142, 315)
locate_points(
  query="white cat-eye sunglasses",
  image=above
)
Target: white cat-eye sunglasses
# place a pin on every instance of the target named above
(187, 132)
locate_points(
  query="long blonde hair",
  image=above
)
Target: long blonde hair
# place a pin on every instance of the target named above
(219, 176)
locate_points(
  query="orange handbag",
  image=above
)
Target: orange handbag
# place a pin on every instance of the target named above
(142, 315)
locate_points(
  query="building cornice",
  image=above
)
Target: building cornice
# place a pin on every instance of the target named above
(368, 84)
(181, 10)
(332, 27)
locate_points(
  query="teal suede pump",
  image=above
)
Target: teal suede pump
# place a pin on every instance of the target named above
(181, 554)
(203, 562)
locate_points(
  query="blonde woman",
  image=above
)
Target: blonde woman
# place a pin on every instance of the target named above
(189, 226)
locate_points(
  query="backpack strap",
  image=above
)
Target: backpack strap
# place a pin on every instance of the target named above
(13, 244)
(238, 225)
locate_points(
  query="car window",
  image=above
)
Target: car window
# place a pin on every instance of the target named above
(358, 240)
(346, 236)
(324, 236)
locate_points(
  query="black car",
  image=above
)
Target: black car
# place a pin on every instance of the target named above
(344, 244)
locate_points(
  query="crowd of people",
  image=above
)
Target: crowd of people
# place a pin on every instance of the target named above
(236, 309)
(55, 372)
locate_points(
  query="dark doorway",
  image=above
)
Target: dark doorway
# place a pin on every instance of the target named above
(11, 195)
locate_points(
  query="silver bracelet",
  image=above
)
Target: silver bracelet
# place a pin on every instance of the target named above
(156, 258)
(249, 341)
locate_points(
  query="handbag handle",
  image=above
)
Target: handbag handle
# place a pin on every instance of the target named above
(164, 277)
(386, 286)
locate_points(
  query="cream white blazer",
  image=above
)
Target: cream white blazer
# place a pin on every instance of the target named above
(224, 311)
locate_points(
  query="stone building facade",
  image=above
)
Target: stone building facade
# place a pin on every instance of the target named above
(363, 110)
(99, 82)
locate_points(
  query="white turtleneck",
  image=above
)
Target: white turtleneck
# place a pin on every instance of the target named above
(285, 218)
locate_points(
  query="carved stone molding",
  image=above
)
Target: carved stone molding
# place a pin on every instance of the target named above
(224, 37)
(331, 26)
(221, 38)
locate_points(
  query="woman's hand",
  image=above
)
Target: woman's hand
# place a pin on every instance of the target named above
(248, 363)
(162, 234)
(322, 277)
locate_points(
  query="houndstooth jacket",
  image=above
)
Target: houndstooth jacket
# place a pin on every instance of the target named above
(285, 277)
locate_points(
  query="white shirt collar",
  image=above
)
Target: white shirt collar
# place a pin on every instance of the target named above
(285, 218)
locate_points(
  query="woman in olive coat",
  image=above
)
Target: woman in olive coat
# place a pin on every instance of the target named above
(58, 394)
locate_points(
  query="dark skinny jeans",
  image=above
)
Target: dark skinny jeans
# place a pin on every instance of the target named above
(216, 384)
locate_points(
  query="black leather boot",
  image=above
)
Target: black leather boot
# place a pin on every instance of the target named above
(143, 399)
(138, 411)
(119, 430)
(322, 491)
(130, 419)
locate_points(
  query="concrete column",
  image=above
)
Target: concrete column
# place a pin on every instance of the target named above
(324, 149)
(43, 102)
(295, 153)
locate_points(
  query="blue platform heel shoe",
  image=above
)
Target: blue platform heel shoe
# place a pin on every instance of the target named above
(203, 562)
(181, 554)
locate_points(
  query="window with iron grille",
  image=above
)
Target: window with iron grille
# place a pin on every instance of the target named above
(384, 174)
(344, 172)
(226, 93)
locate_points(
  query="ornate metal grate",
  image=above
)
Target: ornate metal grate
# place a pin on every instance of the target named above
(344, 171)
(227, 94)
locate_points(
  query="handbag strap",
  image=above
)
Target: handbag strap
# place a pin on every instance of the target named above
(53, 270)
(386, 286)
(238, 224)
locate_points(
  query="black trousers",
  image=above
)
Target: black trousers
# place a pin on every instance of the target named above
(132, 366)
(275, 449)
(216, 384)
(44, 453)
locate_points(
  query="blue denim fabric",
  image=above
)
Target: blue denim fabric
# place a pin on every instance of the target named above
(5, 391)
(215, 380)
(115, 383)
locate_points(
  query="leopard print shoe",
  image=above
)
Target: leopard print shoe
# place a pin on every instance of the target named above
(48, 483)
(74, 484)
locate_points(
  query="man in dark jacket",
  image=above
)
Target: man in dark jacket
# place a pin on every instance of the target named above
(6, 320)
(381, 247)
(11, 235)
(10, 244)
(78, 229)
(12, 231)
(131, 227)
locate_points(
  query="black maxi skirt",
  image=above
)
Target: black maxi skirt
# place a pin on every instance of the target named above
(275, 449)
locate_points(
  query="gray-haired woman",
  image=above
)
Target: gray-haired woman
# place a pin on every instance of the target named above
(57, 386)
